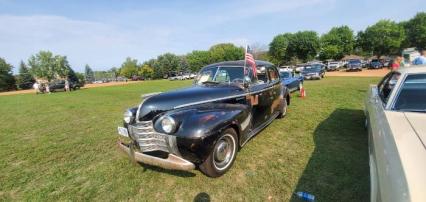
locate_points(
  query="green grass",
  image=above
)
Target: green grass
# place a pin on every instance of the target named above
(62, 146)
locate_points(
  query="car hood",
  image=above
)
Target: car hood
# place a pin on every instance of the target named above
(159, 103)
(417, 121)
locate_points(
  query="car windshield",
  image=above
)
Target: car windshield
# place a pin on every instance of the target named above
(285, 74)
(375, 60)
(412, 96)
(315, 68)
(221, 75)
(354, 61)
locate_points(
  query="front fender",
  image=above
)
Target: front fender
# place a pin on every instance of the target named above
(199, 127)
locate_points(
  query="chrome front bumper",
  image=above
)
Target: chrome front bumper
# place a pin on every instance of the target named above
(172, 162)
(148, 140)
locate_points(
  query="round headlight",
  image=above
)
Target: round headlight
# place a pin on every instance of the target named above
(168, 124)
(128, 115)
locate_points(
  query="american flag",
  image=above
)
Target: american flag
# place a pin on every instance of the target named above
(249, 59)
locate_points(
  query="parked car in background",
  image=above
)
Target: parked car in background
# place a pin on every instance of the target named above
(174, 76)
(396, 121)
(205, 125)
(333, 65)
(185, 76)
(354, 65)
(364, 63)
(386, 63)
(299, 68)
(59, 85)
(192, 76)
(375, 64)
(313, 72)
(290, 80)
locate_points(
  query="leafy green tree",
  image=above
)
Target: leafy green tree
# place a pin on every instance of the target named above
(88, 74)
(278, 48)
(7, 80)
(183, 64)
(146, 71)
(226, 52)
(197, 59)
(45, 65)
(114, 71)
(383, 38)
(166, 63)
(337, 43)
(62, 67)
(81, 78)
(153, 63)
(304, 45)
(416, 31)
(129, 68)
(24, 79)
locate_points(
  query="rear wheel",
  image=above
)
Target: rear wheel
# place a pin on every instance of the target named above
(222, 156)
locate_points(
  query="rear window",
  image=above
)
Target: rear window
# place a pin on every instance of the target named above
(412, 96)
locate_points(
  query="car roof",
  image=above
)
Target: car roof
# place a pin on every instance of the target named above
(240, 63)
(412, 69)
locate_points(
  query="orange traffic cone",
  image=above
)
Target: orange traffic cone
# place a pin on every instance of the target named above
(302, 92)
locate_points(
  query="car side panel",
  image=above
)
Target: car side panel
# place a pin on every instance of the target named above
(388, 182)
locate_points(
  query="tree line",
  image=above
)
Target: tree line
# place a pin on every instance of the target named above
(386, 37)
(43, 66)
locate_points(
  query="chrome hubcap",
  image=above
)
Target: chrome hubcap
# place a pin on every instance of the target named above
(224, 151)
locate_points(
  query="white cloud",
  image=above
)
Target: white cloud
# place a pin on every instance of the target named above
(82, 41)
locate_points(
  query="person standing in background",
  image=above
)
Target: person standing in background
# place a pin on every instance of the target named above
(47, 88)
(421, 60)
(67, 85)
(36, 87)
(396, 63)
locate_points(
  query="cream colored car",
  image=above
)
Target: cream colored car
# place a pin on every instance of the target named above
(396, 122)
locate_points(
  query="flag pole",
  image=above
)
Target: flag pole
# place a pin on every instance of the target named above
(245, 52)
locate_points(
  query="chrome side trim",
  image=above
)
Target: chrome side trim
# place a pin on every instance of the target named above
(246, 122)
(223, 98)
(147, 95)
(258, 129)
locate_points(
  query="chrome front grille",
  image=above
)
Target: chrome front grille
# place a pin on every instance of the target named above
(150, 140)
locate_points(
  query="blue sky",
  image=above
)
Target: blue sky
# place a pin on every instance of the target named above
(103, 33)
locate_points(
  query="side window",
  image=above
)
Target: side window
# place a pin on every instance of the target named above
(261, 75)
(387, 85)
(273, 74)
(412, 96)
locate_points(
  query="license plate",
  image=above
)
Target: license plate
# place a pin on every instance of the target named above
(123, 131)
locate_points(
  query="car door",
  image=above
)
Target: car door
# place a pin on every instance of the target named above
(259, 99)
(381, 145)
(291, 82)
(274, 91)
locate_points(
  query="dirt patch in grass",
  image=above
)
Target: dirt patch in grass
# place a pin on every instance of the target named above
(92, 85)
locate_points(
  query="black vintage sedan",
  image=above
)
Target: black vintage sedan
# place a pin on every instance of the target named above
(205, 125)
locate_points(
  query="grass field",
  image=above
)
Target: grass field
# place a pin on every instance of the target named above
(62, 146)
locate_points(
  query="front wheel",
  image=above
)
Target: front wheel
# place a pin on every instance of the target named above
(222, 156)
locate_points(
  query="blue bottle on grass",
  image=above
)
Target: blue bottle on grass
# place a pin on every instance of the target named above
(305, 196)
